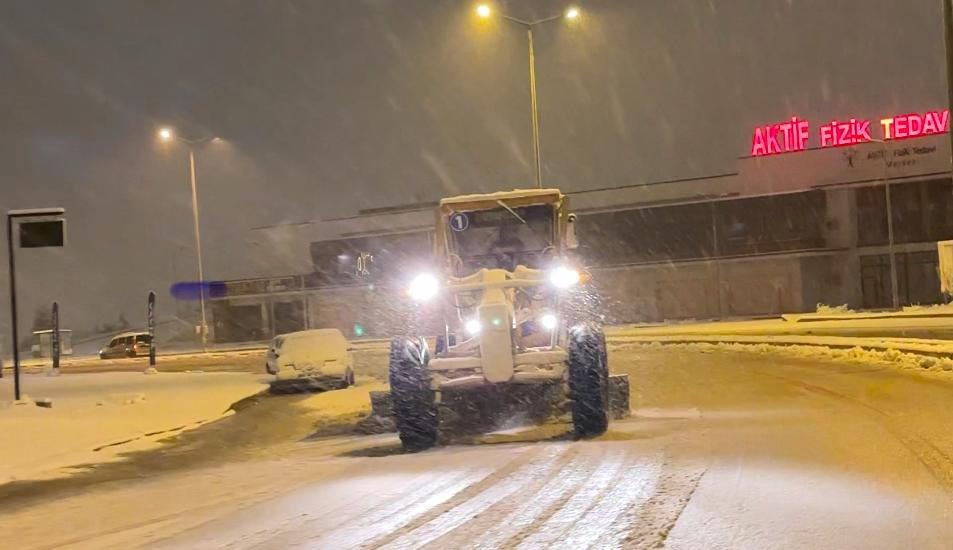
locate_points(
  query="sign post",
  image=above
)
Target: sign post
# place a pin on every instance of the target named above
(55, 338)
(39, 228)
(151, 322)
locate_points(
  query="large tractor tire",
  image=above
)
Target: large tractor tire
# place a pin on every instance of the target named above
(415, 413)
(588, 380)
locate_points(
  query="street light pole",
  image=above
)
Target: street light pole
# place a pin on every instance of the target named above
(198, 248)
(484, 11)
(948, 40)
(166, 134)
(888, 205)
(532, 97)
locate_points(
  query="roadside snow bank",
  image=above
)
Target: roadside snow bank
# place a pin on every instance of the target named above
(96, 417)
(889, 357)
(340, 410)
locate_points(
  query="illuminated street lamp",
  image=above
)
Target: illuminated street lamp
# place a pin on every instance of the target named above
(484, 11)
(168, 135)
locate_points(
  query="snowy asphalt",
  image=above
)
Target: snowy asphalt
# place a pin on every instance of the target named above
(725, 450)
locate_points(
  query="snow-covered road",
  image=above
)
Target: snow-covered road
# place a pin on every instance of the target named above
(726, 450)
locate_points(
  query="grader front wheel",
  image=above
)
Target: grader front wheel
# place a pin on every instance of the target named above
(415, 412)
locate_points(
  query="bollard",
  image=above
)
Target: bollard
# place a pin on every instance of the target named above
(55, 338)
(151, 322)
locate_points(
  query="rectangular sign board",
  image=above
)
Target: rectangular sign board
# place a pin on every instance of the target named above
(40, 234)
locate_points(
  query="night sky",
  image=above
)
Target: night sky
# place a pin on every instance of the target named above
(328, 107)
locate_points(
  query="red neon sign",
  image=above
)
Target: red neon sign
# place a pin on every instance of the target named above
(793, 135)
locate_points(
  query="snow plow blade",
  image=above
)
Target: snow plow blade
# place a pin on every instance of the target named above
(382, 406)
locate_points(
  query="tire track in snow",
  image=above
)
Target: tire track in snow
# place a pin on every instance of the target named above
(504, 520)
(368, 512)
(637, 483)
(476, 499)
(647, 524)
(398, 511)
(551, 531)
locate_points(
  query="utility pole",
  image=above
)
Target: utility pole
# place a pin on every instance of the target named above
(484, 10)
(948, 40)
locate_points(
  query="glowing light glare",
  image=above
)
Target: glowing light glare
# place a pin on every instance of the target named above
(549, 321)
(473, 327)
(572, 13)
(423, 287)
(165, 134)
(483, 10)
(564, 277)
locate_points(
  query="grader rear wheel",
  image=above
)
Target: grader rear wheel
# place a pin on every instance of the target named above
(589, 380)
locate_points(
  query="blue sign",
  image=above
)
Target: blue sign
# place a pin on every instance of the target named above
(459, 222)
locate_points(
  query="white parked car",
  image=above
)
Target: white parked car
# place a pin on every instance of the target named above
(310, 359)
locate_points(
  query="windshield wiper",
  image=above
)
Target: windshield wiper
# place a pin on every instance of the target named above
(510, 210)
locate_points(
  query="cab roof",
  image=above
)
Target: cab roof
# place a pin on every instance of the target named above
(516, 197)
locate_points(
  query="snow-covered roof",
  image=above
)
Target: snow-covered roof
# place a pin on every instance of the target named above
(26, 212)
(131, 333)
(501, 196)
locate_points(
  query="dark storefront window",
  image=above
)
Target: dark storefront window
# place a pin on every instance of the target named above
(238, 323)
(921, 212)
(288, 316)
(771, 224)
(647, 234)
(369, 259)
(917, 279)
(744, 226)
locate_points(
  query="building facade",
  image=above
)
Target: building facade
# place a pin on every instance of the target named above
(854, 224)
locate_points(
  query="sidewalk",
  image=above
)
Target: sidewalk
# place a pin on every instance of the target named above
(95, 418)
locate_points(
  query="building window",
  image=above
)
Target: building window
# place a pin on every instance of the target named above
(921, 212)
(646, 234)
(771, 224)
(918, 282)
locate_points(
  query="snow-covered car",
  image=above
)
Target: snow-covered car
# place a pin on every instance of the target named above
(318, 359)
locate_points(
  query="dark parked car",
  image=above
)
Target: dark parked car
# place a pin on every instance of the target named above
(127, 344)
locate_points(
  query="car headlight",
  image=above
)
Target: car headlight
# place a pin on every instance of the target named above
(423, 287)
(473, 327)
(549, 321)
(564, 277)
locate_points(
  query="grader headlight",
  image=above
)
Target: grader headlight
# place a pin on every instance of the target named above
(564, 277)
(423, 288)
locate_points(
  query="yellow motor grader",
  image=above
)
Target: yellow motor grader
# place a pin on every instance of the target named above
(502, 278)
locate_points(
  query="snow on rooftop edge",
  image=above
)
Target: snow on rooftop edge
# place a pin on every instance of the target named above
(500, 195)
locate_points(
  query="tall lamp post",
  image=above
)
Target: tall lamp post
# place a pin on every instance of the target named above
(485, 11)
(168, 135)
(948, 42)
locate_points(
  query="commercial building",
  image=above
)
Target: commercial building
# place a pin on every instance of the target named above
(852, 221)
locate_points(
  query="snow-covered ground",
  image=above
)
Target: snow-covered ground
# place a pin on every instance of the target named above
(935, 322)
(96, 417)
(725, 449)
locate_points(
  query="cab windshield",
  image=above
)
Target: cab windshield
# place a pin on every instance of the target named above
(501, 237)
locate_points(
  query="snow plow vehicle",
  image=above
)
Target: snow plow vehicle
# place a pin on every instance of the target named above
(502, 279)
